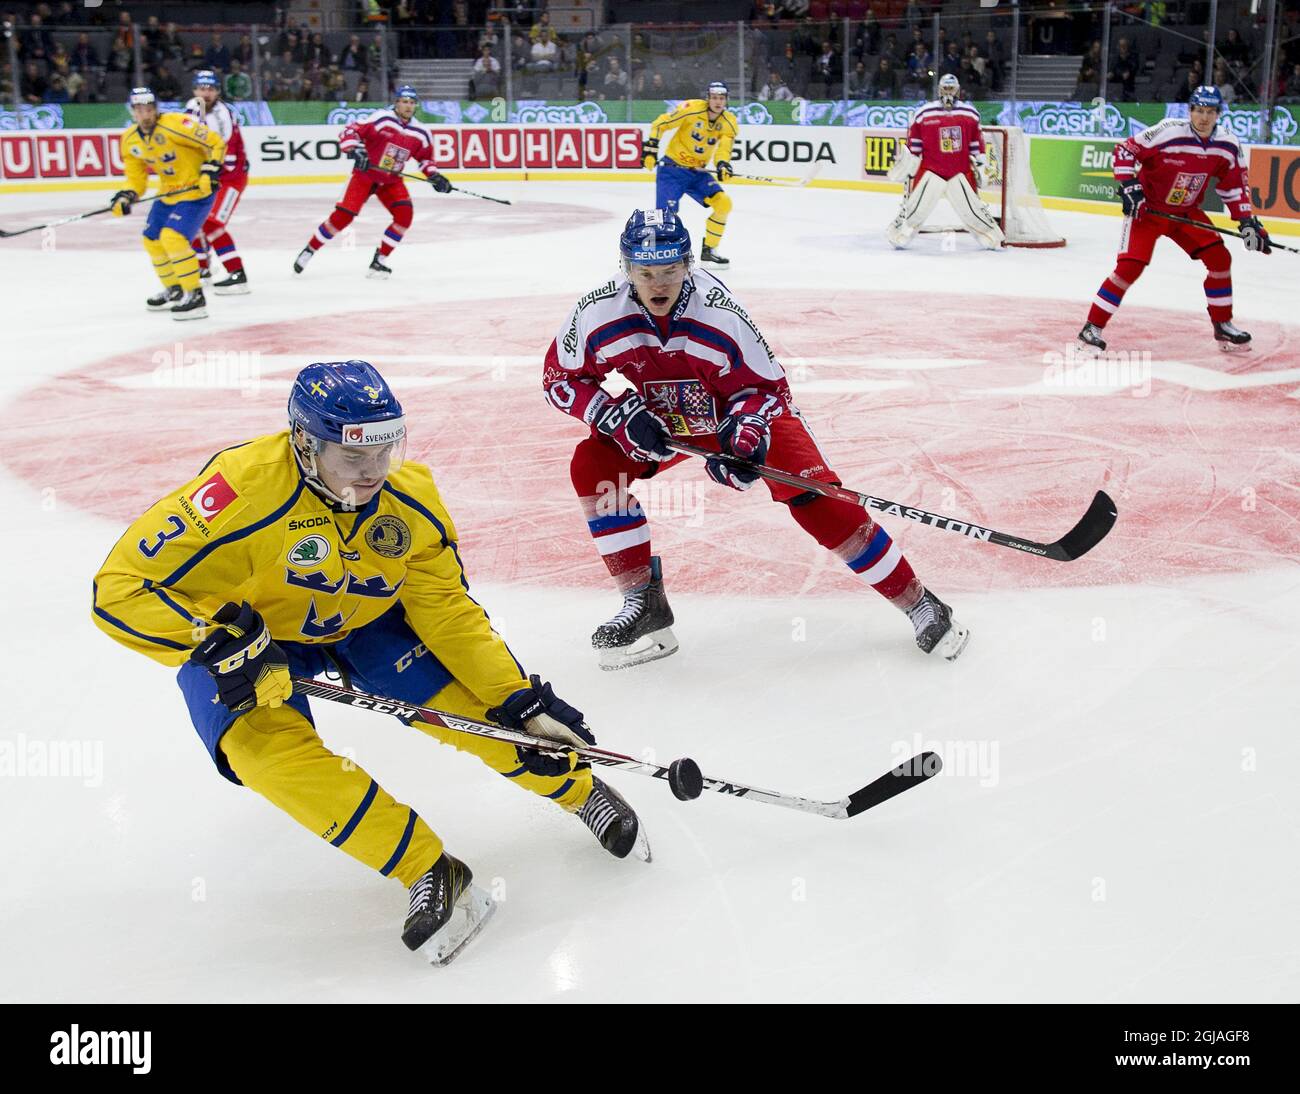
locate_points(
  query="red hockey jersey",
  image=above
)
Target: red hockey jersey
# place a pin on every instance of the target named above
(1175, 167)
(946, 139)
(234, 167)
(711, 357)
(389, 143)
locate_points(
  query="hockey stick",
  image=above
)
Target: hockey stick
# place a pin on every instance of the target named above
(458, 189)
(775, 182)
(1079, 540)
(683, 776)
(1222, 231)
(93, 213)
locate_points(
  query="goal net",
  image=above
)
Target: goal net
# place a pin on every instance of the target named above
(1008, 190)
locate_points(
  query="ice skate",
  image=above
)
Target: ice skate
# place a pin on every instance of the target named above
(641, 631)
(936, 630)
(711, 257)
(304, 256)
(447, 910)
(1231, 339)
(164, 300)
(377, 268)
(234, 285)
(614, 822)
(191, 305)
(1090, 337)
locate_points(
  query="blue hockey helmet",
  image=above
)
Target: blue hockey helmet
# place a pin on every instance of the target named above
(142, 96)
(1206, 95)
(205, 78)
(348, 404)
(406, 91)
(654, 237)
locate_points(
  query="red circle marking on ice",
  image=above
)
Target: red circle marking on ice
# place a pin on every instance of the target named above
(1203, 478)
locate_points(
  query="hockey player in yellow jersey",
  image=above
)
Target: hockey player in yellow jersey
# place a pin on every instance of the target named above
(186, 156)
(703, 131)
(318, 549)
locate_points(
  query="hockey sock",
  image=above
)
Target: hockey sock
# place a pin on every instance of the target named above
(402, 216)
(618, 525)
(719, 207)
(225, 248)
(863, 546)
(200, 245)
(162, 263)
(1111, 293)
(328, 229)
(1218, 281)
(185, 263)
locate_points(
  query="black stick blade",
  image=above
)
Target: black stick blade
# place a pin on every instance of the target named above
(906, 775)
(1092, 528)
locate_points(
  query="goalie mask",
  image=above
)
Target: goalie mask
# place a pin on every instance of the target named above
(949, 89)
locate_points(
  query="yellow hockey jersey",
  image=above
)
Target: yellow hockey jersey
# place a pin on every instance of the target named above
(178, 146)
(248, 528)
(696, 139)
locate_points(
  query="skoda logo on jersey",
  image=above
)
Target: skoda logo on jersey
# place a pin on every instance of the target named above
(389, 536)
(309, 551)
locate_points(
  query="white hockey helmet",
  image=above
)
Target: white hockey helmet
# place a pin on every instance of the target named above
(949, 89)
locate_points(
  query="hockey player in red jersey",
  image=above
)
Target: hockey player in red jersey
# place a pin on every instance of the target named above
(215, 114)
(701, 372)
(380, 148)
(1168, 169)
(944, 147)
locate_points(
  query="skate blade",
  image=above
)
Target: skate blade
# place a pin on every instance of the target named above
(1087, 349)
(469, 915)
(647, 648)
(232, 290)
(198, 313)
(377, 275)
(949, 647)
(1233, 347)
(641, 848)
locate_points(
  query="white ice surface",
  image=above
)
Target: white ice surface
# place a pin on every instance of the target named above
(1132, 838)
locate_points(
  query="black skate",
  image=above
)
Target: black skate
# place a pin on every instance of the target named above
(205, 273)
(234, 285)
(164, 300)
(936, 630)
(304, 256)
(1091, 337)
(447, 910)
(614, 822)
(377, 268)
(191, 305)
(709, 255)
(641, 630)
(1230, 338)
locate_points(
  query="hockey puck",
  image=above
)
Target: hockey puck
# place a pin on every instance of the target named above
(685, 779)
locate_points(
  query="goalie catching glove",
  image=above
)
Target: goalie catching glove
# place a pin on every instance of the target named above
(249, 669)
(536, 709)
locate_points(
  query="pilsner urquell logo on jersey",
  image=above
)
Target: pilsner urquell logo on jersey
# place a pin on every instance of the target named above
(213, 496)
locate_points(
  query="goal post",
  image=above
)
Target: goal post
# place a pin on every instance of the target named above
(1009, 189)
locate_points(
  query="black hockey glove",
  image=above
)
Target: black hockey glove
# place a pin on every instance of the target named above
(250, 670)
(360, 161)
(1255, 235)
(1132, 198)
(122, 202)
(650, 153)
(440, 182)
(630, 424)
(724, 170)
(536, 709)
(208, 175)
(743, 435)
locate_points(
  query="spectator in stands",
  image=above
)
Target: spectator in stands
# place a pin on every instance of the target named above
(658, 89)
(890, 50)
(243, 52)
(353, 57)
(544, 54)
(362, 93)
(124, 28)
(1123, 71)
(1234, 50)
(615, 82)
(1090, 68)
(884, 81)
(196, 60)
(308, 92)
(217, 55)
(1224, 80)
(978, 63)
(34, 84)
(867, 43)
(951, 62)
(318, 51)
(35, 42)
(336, 84)
(120, 57)
(1191, 81)
(485, 77)
(1288, 88)
(775, 90)
(995, 58)
(859, 82)
(827, 68)
(237, 86)
(57, 92)
(296, 47)
(169, 42)
(972, 79)
(913, 16)
(542, 28)
(83, 55)
(164, 84)
(918, 65)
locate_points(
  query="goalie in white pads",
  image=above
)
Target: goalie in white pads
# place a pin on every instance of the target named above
(945, 146)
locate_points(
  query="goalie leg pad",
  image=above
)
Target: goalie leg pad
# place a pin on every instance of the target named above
(917, 206)
(973, 213)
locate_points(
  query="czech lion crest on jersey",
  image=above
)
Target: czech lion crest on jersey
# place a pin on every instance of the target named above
(686, 406)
